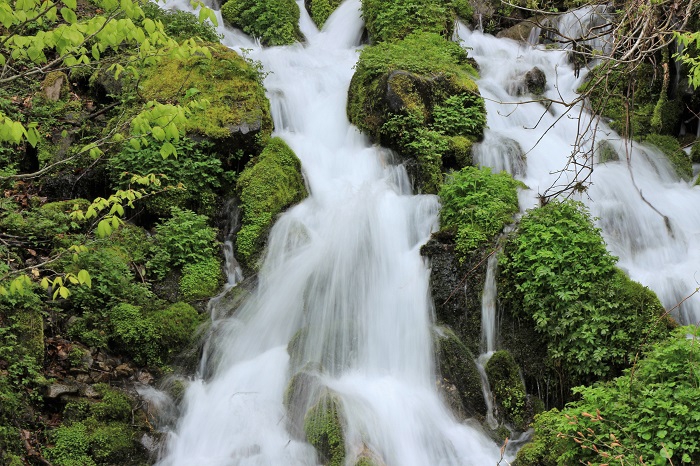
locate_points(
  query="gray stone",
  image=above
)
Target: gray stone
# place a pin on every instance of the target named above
(55, 390)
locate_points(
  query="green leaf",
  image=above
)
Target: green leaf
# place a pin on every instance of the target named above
(64, 292)
(72, 4)
(69, 16)
(84, 278)
(104, 229)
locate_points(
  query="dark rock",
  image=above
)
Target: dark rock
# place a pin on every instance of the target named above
(89, 392)
(123, 370)
(535, 81)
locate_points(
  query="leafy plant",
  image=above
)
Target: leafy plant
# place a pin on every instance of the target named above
(183, 238)
(322, 9)
(395, 20)
(180, 25)
(592, 317)
(477, 205)
(274, 22)
(200, 279)
(460, 115)
(648, 416)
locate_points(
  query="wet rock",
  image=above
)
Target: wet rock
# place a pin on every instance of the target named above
(123, 370)
(54, 85)
(535, 81)
(89, 392)
(145, 377)
(56, 390)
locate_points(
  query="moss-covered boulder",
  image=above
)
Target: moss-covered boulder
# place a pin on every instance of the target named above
(418, 96)
(457, 365)
(274, 22)
(200, 280)
(238, 118)
(301, 391)
(269, 184)
(671, 148)
(323, 425)
(507, 388)
(320, 10)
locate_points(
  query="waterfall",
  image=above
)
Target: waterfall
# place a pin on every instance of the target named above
(658, 241)
(343, 278)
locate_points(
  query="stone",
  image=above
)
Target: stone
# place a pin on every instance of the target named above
(55, 390)
(144, 377)
(123, 370)
(535, 81)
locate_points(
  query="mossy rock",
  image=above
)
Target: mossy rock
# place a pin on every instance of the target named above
(606, 152)
(301, 391)
(274, 22)
(269, 184)
(238, 117)
(321, 10)
(415, 96)
(671, 148)
(456, 364)
(200, 280)
(695, 153)
(507, 388)
(55, 86)
(47, 223)
(323, 425)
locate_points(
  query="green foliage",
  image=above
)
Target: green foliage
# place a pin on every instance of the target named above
(648, 416)
(477, 204)
(182, 239)
(195, 167)
(323, 429)
(671, 148)
(71, 446)
(133, 334)
(322, 9)
(40, 224)
(200, 280)
(559, 274)
(112, 280)
(274, 22)
(180, 25)
(395, 20)
(507, 387)
(460, 115)
(268, 185)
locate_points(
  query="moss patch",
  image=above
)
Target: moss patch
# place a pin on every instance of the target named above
(238, 109)
(268, 185)
(507, 388)
(396, 19)
(274, 22)
(671, 148)
(323, 428)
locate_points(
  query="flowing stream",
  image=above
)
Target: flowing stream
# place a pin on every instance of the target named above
(657, 242)
(343, 278)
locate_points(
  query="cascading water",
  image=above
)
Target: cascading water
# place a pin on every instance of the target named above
(343, 279)
(646, 213)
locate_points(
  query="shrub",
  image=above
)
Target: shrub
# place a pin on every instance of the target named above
(321, 10)
(559, 274)
(507, 387)
(648, 416)
(268, 185)
(180, 25)
(133, 334)
(274, 22)
(200, 279)
(195, 168)
(477, 205)
(460, 115)
(183, 238)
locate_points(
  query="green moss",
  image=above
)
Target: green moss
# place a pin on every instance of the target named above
(42, 224)
(321, 10)
(478, 205)
(673, 152)
(415, 96)
(695, 153)
(200, 280)
(395, 20)
(323, 428)
(51, 79)
(180, 25)
(456, 364)
(175, 325)
(507, 387)
(269, 184)
(227, 81)
(274, 22)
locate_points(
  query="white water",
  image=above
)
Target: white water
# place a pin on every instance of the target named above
(667, 263)
(344, 266)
